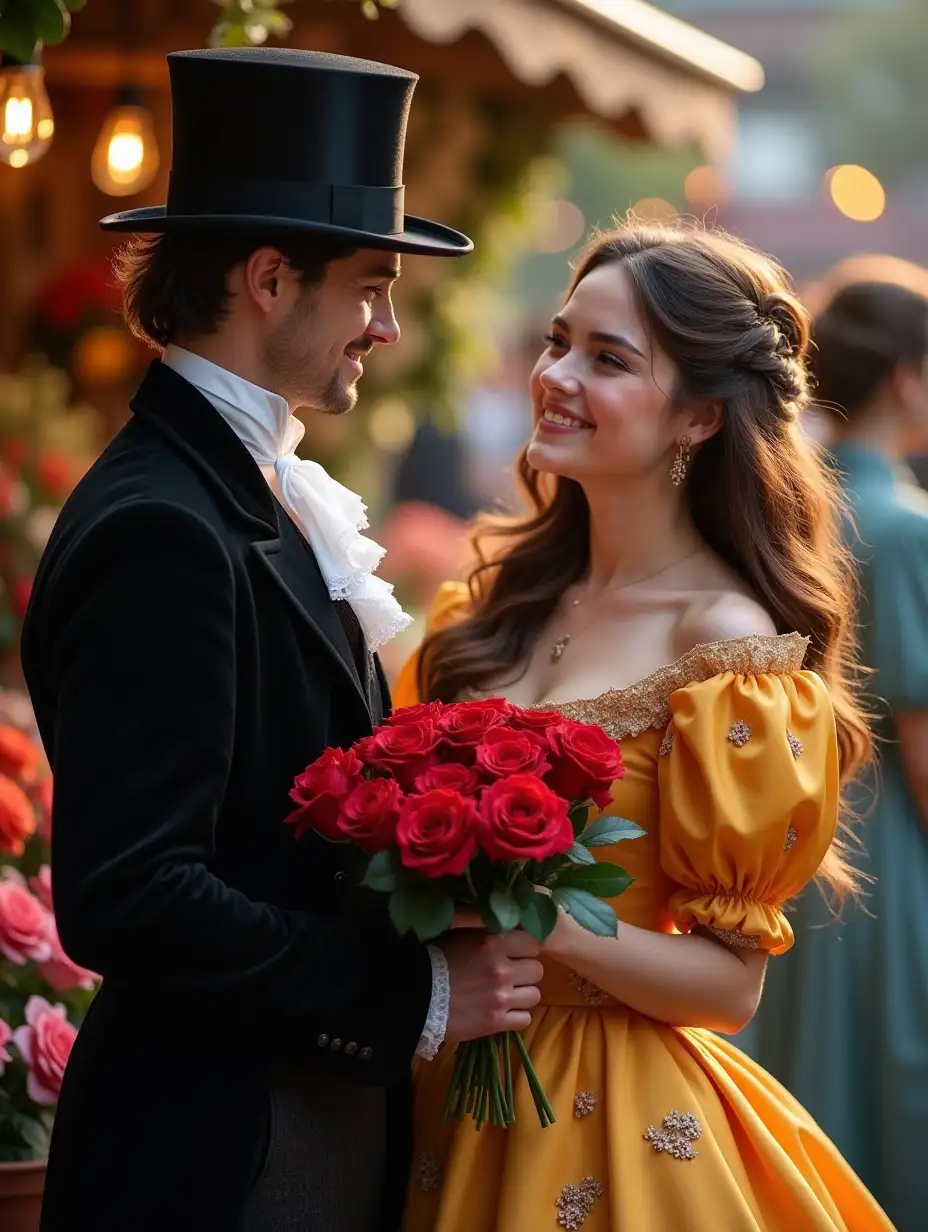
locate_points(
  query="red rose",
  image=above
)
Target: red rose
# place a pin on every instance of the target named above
(453, 776)
(534, 720)
(585, 762)
(504, 751)
(437, 833)
(405, 750)
(415, 714)
(320, 791)
(464, 724)
(522, 819)
(370, 814)
(20, 594)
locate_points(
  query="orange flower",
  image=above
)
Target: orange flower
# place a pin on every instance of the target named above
(17, 817)
(20, 757)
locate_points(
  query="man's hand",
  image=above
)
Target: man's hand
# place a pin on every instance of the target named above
(493, 982)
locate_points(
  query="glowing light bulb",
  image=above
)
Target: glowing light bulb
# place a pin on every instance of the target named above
(26, 122)
(125, 157)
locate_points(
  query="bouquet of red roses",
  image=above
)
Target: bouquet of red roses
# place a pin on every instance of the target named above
(477, 806)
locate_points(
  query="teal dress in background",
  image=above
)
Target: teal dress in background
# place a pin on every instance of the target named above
(843, 1021)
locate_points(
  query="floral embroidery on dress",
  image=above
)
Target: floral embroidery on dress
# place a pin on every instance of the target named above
(666, 745)
(739, 733)
(575, 1202)
(790, 840)
(731, 936)
(584, 1103)
(588, 990)
(676, 1135)
(795, 745)
(428, 1170)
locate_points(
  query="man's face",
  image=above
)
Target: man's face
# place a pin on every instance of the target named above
(315, 353)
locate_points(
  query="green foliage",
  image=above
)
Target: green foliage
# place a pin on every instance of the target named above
(249, 23)
(869, 80)
(27, 25)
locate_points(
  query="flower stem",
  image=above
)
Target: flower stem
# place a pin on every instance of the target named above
(545, 1111)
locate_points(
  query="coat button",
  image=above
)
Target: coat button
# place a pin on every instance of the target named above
(340, 876)
(335, 1045)
(323, 1041)
(350, 1048)
(365, 1054)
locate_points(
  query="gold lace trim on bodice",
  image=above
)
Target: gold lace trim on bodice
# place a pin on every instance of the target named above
(646, 705)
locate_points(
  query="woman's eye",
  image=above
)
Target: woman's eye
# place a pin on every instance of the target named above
(604, 357)
(555, 340)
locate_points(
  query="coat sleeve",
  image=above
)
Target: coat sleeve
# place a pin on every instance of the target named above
(134, 644)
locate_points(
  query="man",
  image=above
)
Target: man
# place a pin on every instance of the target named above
(201, 628)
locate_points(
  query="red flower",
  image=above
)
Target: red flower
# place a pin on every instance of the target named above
(437, 833)
(405, 750)
(464, 724)
(454, 776)
(534, 720)
(522, 819)
(370, 814)
(320, 791)
(20, 757)
(585, 762)
(20, 594)
(503, 751)
(54, 472)
(414, 714)
(15, 451)
(17, 817)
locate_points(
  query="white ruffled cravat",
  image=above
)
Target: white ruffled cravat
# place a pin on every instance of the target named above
(330, 515)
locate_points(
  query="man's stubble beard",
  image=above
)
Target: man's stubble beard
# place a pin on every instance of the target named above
(288, 357)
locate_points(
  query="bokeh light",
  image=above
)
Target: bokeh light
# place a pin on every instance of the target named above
(705, 186)
(653, 209)
(559, 225)
(856, 192)
(391, 424)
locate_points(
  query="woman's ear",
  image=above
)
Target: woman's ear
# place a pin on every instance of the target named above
(705, 420)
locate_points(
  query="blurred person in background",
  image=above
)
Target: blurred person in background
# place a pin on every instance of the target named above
(844, 1021)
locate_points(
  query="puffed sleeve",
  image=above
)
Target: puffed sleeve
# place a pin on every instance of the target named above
(894, 617)
(749, 786)
(451, 602)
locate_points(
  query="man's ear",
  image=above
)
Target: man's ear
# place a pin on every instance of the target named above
(261, 278)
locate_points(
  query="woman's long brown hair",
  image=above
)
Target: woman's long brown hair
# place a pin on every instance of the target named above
(759, 494)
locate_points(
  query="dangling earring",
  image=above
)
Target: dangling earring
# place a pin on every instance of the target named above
(681, 463)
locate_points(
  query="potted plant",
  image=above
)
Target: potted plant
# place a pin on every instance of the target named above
(43, 995)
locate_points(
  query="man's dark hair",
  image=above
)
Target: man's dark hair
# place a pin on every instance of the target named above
(175, 286)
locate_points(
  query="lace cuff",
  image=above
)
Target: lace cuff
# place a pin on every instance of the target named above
(436, 1023)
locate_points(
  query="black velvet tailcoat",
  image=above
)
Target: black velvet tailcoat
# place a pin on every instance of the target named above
(185, 662)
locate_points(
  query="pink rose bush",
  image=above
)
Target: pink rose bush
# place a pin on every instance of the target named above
(44, 994)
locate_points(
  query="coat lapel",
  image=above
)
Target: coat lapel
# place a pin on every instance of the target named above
(193, 427)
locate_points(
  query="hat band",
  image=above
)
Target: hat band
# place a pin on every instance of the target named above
(358, 207)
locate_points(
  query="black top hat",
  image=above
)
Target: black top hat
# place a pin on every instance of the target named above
(290, 141)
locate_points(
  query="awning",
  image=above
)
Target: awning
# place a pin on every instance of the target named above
(622, 57)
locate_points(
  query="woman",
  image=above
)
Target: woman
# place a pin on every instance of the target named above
(682, 533)
(854, 998)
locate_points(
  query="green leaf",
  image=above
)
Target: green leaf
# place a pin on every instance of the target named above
(608, 830)
(426, 910)
(580, 855)
(590, 912)
(505, 908)
(32, 1133)
(382, 872)
(18, 34)
(74, 6)
(602, 879)
(537, 912)
(52, 21)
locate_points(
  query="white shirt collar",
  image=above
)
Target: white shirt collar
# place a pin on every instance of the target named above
(330, 515)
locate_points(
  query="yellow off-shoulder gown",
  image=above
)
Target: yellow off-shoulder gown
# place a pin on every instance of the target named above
(732, 771)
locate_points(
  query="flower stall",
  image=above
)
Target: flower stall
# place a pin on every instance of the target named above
(43, 994)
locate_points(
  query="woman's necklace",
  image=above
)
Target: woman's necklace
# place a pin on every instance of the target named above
(557, 650)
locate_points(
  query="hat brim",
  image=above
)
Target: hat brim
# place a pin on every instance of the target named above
(419, 235)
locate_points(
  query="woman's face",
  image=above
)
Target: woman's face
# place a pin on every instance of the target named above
(601, 392)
